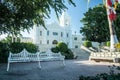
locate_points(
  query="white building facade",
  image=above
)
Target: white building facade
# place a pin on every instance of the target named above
(55, 33)
(26, 39)
(77, 41)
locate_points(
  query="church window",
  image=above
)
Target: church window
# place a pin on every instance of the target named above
(67, 35)
(55, 33)
(40, 41)
(47, 33)
(75, 38)
(61, 34)
(40, 33)
(54, 42)
(76, 46)
(47, 41)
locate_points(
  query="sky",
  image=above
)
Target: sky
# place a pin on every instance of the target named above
(75, 13)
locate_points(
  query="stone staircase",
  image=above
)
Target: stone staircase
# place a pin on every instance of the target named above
(84, 52)
(81, 54)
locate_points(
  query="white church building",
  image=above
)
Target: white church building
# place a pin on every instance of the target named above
(55, 33)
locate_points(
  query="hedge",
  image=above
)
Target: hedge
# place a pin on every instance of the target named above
(108, 43)
(63, 48)
(15, 48)
(87, 44)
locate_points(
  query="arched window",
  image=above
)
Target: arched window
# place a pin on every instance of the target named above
(54, 42)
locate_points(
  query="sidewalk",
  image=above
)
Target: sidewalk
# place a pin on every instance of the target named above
(53, 70)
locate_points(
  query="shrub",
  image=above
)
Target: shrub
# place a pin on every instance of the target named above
(69, 54)
(18, 47)
(103, 76)
(108, 43)
(55, 49)
(87, 44)
(62, 47)
(4, 51)
(31, 47)
(15, 48)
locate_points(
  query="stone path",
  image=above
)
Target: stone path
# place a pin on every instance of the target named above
(52, 70)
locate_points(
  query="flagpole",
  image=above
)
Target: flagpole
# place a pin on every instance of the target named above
(113, 37)
(88, 4)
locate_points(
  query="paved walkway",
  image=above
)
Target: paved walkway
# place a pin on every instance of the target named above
(52, 70)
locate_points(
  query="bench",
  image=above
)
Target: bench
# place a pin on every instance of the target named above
(23, 56)
(104, 56)
(50, 56)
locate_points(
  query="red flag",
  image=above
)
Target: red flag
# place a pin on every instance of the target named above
(109, 2)
(111, 11)
(112, 15)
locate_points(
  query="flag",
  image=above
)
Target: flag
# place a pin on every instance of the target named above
(109, 2)
(112, 15)
(111, 10)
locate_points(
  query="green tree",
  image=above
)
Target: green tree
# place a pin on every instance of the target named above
(95, 25)
(18, 15)
(117, 22)
(62, 47)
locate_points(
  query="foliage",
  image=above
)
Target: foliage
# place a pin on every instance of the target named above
(108, 43)
(87, 44)
(117, 45)
(31, 47)
(62, 47)
(103, 76)
(18, 47)
(18, 15)
(4, 50)
(95, 25)
(117, 22)
(55, 49)
(68, 54)
(15, 48)
(8, 39)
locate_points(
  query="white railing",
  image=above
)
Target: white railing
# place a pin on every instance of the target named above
(104, 56)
